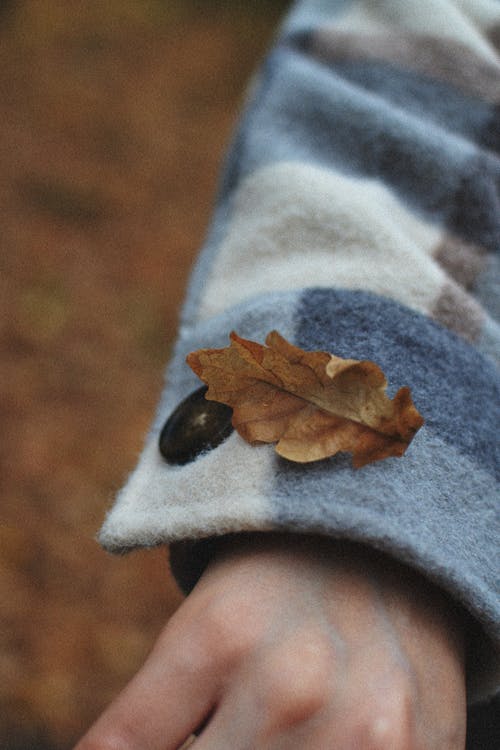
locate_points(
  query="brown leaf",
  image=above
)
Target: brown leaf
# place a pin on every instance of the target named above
(311, 404)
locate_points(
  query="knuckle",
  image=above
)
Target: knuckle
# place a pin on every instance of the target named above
(192, 655)
(208, 642)
(296, 685)
(222, 634)
(386, 733)
(229, 632)
(291, 703)
(391, 724)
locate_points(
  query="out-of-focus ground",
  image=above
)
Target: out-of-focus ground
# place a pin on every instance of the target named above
(113, 118)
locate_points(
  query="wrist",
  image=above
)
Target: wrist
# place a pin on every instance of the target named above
(412, 600)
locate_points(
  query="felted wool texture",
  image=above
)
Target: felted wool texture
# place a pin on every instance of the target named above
(458, 20)
(454, 20)
(308, 113)
(307, 13)
(294, 225)
(223, 490)
(457, 390)
(487, 287)
(484, 13)
(438, 169)
(449, 177)
(446, 107)
(462, 261)
(488, 344)
(431, 56)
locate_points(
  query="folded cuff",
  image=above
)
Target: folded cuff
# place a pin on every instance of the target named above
(434, 509)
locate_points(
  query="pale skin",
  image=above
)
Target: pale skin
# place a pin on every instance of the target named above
(298, 643)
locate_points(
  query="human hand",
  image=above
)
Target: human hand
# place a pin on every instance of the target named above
(289, 642)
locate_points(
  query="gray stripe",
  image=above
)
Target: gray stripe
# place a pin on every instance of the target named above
(454, 387)
(355, 130)
(310, 114)
(427, 98)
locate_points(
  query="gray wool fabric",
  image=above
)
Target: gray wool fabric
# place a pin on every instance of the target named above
(358, 213)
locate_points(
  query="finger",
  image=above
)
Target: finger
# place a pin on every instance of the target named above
(164, 703)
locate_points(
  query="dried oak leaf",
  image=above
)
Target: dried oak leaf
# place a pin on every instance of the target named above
(311, 404)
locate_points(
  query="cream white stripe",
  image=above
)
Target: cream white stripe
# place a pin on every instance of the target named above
(435, 17)
(162, 503)
(294, 225)
(485, 13)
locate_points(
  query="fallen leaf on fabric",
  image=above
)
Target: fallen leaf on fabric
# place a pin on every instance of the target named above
(311, 404)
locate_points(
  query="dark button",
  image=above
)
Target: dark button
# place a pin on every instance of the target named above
(196, 426)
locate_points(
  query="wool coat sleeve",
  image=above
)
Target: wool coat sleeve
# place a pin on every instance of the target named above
(358, 214)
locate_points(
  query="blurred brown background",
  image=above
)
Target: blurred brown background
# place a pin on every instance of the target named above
(113, 118)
